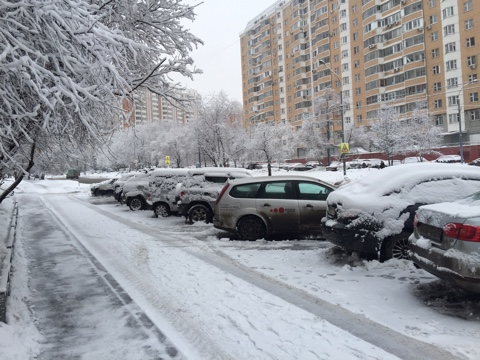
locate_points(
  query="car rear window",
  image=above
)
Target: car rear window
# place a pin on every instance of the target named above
(245, 191)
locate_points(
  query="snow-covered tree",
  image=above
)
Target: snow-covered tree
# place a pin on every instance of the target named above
(218, 129)
(424, 134)
(315, 135)
(66, 65)
(270, 141)
(387, 134)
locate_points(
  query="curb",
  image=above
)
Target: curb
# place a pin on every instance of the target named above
(6, 264)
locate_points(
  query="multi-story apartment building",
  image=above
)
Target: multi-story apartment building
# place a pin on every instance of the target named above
(393, 53)
(148, 107)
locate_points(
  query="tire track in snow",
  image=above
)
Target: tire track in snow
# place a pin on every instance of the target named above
(358, 325)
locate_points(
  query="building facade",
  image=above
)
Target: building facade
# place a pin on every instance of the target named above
(148, 107)
(395, 53)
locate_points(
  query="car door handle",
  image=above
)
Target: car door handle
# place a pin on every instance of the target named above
(309, 206)
(267, 205)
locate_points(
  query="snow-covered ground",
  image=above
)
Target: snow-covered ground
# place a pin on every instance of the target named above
(217, 298)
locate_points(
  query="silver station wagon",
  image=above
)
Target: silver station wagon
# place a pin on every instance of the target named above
(267, 206)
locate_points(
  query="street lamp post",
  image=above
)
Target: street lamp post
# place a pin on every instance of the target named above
(341, 113)
(460, 136)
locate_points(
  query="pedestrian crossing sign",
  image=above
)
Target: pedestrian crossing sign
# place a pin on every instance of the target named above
(167, 160)
(344, 148)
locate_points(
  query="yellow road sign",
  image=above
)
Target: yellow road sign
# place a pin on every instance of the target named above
(344, 148)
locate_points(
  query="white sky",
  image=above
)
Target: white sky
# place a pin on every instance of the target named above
(219, 24)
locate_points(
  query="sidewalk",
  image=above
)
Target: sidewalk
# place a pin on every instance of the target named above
(8, 231)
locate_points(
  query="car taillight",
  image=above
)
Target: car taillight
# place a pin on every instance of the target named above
(462, 232)
(225, 187)
(182, 194)
(415, 220)
(148, 197)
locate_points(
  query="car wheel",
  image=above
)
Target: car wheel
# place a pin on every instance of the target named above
(161, 210)
(137, 203)
(395, 248)
(251, 228)
(96, 193)
(199, 213)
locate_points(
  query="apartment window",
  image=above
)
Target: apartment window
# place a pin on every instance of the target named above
(449, 30)
(334, 19)
(437, 104)
(335, 58)
(471, 61)
(468, 24)
(475, 115)
(355, 22)
(344, 39)
(356, 49)
(348, 119)
(346, 94)
(472, 78)
(345, 67)
(343, 13)
(344, 53)
(438, 120)
(471, 42)
(434, 35)
(335, 45)
(437, 86)
(435, 53)
(356, 63)
(452, 82)
(432, 19)
(343, 27)
(467, 5)
(452, 100)
(436, 69)
(450, 47)
(432, 3)
(357, 77)
(359, 105)
(448, 11)
(451, 65)
(355, 36)
(453, 118)
(359, 118)
(474, 97)
(346, 80)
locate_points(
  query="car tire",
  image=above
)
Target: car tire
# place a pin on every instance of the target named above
(251, 228)
(198, 213)
(395, 247)
(136, 203)
(96, 192)
(161, 210)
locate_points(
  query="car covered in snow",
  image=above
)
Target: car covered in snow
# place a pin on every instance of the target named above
(161, 190)
(448, 159)
(135, 191)
(118, 185)
(197, 195)
(106, 187)
(446, 241)
(260, 207)
(374, 215)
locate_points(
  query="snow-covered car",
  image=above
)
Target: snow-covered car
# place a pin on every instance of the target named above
(197, 195)
(450, 159)
(135, 191)
(260, 207)
(413, 159)
(374, 215)
(117, 192)
(298, 167)
(161, 190)
(106, 187)
(446, 241)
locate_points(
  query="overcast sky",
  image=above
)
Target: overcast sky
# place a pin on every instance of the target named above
(219, 24)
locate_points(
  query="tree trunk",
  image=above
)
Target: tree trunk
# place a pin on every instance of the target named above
(19, 179)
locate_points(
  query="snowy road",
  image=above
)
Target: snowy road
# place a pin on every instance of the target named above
(168, 289)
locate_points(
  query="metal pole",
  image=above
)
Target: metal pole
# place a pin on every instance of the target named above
(460, 138)
(343, 131)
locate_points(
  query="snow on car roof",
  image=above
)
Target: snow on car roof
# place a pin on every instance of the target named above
(464, 208)
(394, 178)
